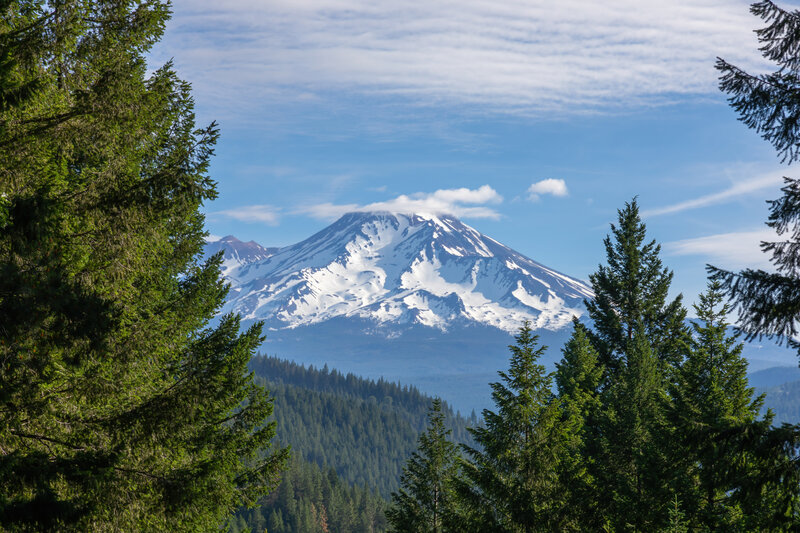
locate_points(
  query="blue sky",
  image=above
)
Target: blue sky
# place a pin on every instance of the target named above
(534, 122)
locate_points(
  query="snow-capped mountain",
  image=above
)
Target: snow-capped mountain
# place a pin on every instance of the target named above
(398, 269)
(236, 253)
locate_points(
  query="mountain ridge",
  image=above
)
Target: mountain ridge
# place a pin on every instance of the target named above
(399, 269)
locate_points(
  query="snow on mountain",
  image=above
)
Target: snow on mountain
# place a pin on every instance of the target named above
(236, 253)
(394, 269)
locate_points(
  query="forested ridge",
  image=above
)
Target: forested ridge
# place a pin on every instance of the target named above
(362, 428)
(312, 499)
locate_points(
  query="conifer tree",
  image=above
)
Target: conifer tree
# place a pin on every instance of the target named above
(511, 483)
(710, 399)
(424, 500)
(768, 303)
(631, 294)
(578, 377)
(120, 410)
(632, 466)
(640, 337)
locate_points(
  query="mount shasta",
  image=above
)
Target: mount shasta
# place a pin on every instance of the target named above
(420, 298)
(397, 270)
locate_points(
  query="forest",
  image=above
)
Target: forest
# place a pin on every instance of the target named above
(128, 404)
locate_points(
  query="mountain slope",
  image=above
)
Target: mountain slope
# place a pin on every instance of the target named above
(401, 269)
(236, 253)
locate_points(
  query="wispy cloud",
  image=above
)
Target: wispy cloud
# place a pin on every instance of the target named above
(555, 187)
(764, 181)
(265, 214)
(462, 202)
(571, 55)
(728, 250)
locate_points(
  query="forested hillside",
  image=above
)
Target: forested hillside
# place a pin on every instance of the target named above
(784, 400)
(364, 429)
(314, 500)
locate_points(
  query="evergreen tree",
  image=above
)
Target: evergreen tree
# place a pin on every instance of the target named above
(632, 466)
(631, 294)
(710, 399)
(119, 409)
(511, 483)
(640, 337)
(578, 378)
(769, 302)
(423, 501)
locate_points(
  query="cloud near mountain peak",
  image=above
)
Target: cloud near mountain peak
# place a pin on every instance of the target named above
(461, 202)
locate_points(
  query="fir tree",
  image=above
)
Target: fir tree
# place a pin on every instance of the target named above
(710, 399)
(511, 483)
(632, 467)
(769, 302)
(640, 338)
(631, 294)
(119, 409)
(578, 378)
(423, 502)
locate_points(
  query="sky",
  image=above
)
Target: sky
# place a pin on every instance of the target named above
(533, 121)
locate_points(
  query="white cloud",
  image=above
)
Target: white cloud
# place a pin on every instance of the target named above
(266, 214)
(556, 187)
(532, 55)
(727, 250)
(462, 202)
(764, 181)
(212, 238)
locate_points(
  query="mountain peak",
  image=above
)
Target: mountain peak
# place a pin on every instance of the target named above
(236, 253)
(403, 268)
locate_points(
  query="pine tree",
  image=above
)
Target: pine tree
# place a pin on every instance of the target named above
(578, 378)
(423, 502)
(631, 294)
(710, 399)
(632, 467)
(640, 337)
(768, 303)
(511, 483)
(119, 408)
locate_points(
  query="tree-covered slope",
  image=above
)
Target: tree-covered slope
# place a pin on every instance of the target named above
(364, 429)
(312, 499)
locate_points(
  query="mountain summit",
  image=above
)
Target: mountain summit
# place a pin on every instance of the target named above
(399, 269)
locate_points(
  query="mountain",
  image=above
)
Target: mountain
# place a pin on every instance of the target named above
(424, 299)
(236, 253)
(400, 270)
(419, 298)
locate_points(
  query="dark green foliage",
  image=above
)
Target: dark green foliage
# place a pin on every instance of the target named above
(424, 503)
(364, 429)
(769, 302)
(578, 377)
(632, 465)
(314, 500)
(711, 398)
(118, 410)
(512, 482)
(640, 338)
(631, 296)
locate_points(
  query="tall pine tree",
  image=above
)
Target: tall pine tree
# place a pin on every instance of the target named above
(511, 482)
(120, 410)
(710, 399)
(631, 294)
(640, 337)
